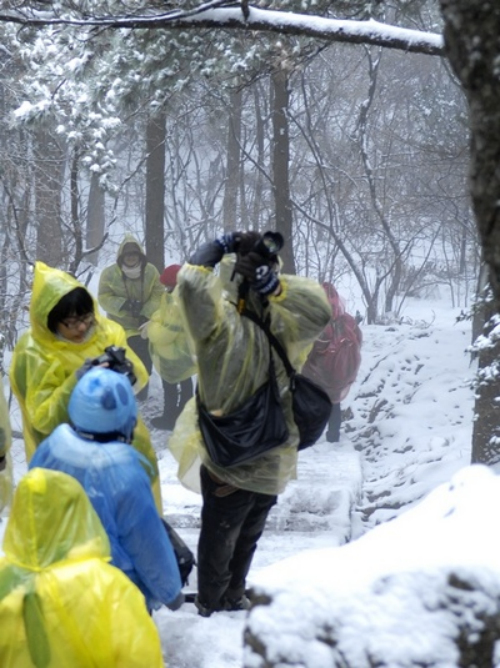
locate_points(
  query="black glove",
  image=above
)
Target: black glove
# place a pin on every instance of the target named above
(211, 253)
(132, 306)
(126, 306)
(259, 272)
(135, 308)
(238, 242)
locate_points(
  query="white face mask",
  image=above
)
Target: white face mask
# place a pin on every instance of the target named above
(132, 272)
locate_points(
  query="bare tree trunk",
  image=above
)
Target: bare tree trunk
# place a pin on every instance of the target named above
(230, 219)
(486, 431)
(49, 166)
(281, 162)
(96, 219)
(471, 40)
(155, 189)
(259, 140)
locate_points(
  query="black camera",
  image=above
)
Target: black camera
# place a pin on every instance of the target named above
(269, 244)
(115, 358)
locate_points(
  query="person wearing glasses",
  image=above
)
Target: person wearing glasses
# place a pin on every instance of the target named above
(66, 331)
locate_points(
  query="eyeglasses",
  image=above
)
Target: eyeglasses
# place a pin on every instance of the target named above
(73, 323)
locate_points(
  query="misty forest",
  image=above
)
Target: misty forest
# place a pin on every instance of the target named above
(365, 131)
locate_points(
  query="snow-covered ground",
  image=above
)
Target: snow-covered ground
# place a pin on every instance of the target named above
(408, 430)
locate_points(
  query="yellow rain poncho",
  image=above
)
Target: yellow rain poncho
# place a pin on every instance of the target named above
(42, 373)
(61, 604)
(233, 361)
(115, 289)
(5, 443)
(168, 342)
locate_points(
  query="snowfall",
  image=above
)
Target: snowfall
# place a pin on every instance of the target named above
(396, 492)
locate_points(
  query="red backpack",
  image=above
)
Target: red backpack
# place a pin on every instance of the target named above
(335, 357)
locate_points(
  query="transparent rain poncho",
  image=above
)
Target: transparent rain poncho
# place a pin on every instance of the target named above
(61, 603)
(169, 343)
(42, 372)
(233, 360)
(115, 289)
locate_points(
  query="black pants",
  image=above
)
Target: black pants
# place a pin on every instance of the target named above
(175, 396)
(232, 521)
(140, 347)
(333, 431)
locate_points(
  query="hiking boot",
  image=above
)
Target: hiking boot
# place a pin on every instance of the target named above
(232, 604)
(203, 610)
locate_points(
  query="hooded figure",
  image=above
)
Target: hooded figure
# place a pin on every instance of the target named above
(44, 364)
(170, 352)
(95, 451)
(61, 603)
(130, 290)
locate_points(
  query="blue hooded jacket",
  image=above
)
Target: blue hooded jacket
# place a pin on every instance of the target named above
(119, 490)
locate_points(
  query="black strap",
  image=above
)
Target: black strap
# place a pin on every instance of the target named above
(264, 325)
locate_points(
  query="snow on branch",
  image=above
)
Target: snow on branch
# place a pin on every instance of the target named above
(216, 14)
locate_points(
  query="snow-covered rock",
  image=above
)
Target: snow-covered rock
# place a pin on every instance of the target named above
(421, 590)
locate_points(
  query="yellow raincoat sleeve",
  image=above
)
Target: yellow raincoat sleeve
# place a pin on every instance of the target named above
(48, 392)
(111, 298)
(168, 342)
(61, 603)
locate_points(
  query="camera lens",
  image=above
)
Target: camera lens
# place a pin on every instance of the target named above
(273, 241)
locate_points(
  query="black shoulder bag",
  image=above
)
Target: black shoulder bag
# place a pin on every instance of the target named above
(311, 404)
(258, 425)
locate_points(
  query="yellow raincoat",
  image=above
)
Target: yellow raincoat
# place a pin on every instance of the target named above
(233, 361)
(115, 289)
(5, 443)
(42, 373)
(168, 342)
(61, 604)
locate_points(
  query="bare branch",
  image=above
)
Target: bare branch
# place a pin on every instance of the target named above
(216, 14)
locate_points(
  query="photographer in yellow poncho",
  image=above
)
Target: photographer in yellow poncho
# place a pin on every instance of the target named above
(66, 330)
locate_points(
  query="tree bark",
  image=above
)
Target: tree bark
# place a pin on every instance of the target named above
(472, 43)
(281, 161)
(49, 166)
(230, 218)
(96, 219)
(155, 189)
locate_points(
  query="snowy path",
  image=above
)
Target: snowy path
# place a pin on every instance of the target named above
(313, 512)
